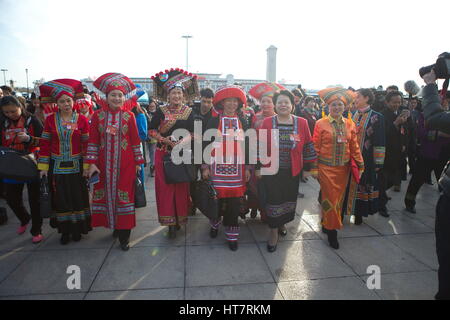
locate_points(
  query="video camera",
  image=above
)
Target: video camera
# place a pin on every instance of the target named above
(441, 67)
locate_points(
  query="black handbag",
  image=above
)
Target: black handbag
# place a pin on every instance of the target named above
(206, 199)
(17, 165)
(140, 201)
(178, 173)
(45, 199)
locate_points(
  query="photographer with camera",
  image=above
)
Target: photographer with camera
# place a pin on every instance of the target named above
(438, 119)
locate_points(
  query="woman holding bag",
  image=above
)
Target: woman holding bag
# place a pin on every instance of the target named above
(21, 131)
(114, 153)
(62, 158)
(336, 143)
(177, 87)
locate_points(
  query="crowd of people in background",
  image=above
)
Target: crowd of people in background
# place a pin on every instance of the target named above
(357, 143)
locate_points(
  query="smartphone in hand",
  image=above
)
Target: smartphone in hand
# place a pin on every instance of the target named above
(95, 178)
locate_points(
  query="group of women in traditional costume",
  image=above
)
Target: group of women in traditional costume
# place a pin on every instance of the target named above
(108, 147)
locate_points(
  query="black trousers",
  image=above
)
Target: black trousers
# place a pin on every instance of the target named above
(442, 231)
(230, 209)
(387, 179)
(423, 170)
(14, 198)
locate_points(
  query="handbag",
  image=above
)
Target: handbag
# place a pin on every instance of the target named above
(178, 173)
(205, 199)
(45, 200)
(355, 170)
(18, 166)
(140, 200)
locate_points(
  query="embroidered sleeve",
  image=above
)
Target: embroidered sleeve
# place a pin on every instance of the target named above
(84, 141)
(45, 145)
(135, 140)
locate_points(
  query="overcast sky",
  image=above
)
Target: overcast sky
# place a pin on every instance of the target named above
(320, 42)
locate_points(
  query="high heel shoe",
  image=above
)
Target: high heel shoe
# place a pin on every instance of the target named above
(271, 248)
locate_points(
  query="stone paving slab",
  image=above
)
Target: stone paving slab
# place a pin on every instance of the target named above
(297, 230)
(396, 224)
(153, 294)
(151, 233)
(408, 286)
(265, 291)
(349, 230)
(98, 238)
(361, 253)
(142, 268)
(418, 245)
(9, 261)
(302, 260)
(348, 288)
(45, 272)
(198, 233)
(10, 240)
(217, 265)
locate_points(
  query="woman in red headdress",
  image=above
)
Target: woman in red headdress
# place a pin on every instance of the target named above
(176, 87)
(337, 146)
(63, 149)
(227, 170)
(114, 153)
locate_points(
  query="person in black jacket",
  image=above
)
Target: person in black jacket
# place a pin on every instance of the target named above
(438, 119)
(21, 131)
(396, 144)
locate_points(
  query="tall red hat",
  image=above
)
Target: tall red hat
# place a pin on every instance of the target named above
(229, 92)
(115, 81)
(51, 91)
(264, 89)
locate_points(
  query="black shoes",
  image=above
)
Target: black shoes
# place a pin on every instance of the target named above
(65, 238)
(233, 245)
(253, 213)
(383, 213)
(125, 246)
(76, 237)
(172, 232)
(193, 211)
(411, 209)
(332, 239)
(358, 220)
(271, 248)
(300, 195)
(213, 233)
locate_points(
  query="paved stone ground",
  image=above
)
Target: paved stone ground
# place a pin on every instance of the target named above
(193, 266)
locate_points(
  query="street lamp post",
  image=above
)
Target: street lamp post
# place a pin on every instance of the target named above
(187, 37)
(4, 75)
(28, 91)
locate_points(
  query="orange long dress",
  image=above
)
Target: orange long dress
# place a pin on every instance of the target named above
(335, 142)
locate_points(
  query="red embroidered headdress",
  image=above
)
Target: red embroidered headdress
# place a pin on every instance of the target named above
(51, 91)
(232, 91)
(115, 81)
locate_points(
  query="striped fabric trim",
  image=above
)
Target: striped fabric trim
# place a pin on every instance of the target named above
(85, 137)
(92, 152)
(379, 154)
(44, 159)
(232, 233)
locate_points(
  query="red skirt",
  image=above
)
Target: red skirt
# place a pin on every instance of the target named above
(172, 200)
